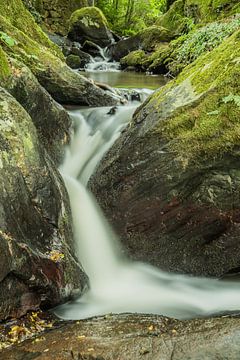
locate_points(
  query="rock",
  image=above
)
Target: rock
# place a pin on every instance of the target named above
(56, 13)
(138, 60)
(74, 61)
(38, 265)
(90, 24)
(134, 337)
(175, 20)
(183, 14)
(145, 40)
(65, 85)
(50, 119)
(84, 57)
(91, 48)
(174, 171)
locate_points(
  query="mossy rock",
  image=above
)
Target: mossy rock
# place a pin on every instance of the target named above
(56, 13)
(38, 264)
(16, 14)
(89, 23)
(152, 36)
(50, 119)
(175, 20)
(136, 58)
(208, 10)
(181, 195)
(73, 61)
(4, 66)
(65, 85)
(147, 40)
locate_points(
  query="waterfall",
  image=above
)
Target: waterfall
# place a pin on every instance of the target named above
(116, 283)
(102, 62)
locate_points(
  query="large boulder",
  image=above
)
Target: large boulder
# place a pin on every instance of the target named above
(38, 265)
(171, 184)
(56, 13)
(147, 40)
(45, 60)
(134, 337)
(89, 23)
(50, 119)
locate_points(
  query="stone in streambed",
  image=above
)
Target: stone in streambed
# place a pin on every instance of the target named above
(38, 265)
(134, 337)
(50, 119)
(90, 24)
(171, 184)
(46, 61)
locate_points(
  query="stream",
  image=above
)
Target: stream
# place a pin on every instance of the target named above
(118, 285)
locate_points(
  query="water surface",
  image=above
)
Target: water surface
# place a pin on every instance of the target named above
(120, 79)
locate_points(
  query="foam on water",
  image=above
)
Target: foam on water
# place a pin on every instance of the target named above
(116, 283)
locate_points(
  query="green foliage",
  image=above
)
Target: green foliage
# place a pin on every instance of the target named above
(6, 39)
(232, 98)
(127, 17)
(204, 39)
(209, 125)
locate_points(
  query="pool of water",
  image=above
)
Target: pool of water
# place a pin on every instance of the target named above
(120, 79)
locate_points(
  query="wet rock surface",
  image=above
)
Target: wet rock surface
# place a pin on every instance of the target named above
(89, 23)
(50, 119)
(38, 265)
(129, 337)
(169, 185)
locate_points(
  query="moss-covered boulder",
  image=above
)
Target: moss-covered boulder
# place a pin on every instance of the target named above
(50, 119)
(180, 194)
(173, 57)
(137, 58)
(148, 40)
(175, 20)
(4, 66)
(45, 60)
(89, 23)
(38, 266)
(203, 11)
(55, 14)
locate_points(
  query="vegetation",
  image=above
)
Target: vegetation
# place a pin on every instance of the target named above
(209, 125)
(129, 16)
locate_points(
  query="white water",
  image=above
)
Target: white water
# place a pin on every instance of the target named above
(102, 63)
(117, 284)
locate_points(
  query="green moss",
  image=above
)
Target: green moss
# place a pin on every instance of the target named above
(175, 20)
(135, 58)
(210, 10)
(33, 54)
(152, 36)
(4, 66)
(18, 16)
(200, 122)
(92, 16)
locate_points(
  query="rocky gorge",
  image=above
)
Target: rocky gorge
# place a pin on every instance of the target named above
(169, 185)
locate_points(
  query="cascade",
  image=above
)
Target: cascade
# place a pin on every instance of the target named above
(116, 283)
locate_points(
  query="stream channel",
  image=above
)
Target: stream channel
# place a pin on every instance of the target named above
(118, 285)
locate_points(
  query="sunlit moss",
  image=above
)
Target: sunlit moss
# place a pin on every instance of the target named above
(201, 124)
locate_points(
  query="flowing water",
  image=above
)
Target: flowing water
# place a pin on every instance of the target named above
(102, 69)
(116, 283)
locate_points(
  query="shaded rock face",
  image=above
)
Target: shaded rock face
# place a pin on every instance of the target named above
(65, 85)
(90, 24)
(69, 87)
(56, 13)
(38, 266)
(50, 119)
(171, 185)
(130, 337)
(146, 40)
